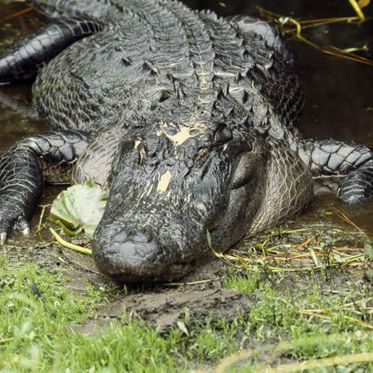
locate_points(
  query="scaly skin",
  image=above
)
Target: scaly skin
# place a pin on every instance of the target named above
(21, 60)
(187, 117)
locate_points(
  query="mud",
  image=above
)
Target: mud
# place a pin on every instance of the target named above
(164, 308)
(203, 295)
(166, 305)
(201, 292)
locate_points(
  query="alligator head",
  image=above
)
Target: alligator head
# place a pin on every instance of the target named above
(171, 185)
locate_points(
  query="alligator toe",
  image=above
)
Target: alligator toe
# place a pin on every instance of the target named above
(11, 218)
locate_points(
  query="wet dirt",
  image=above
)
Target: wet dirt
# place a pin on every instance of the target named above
(202, 295)
(339, 105)
(166, 307)
(201, 292)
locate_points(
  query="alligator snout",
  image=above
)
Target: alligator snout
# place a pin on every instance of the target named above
(132, 258)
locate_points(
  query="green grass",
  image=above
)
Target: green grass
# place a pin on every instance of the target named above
(320, 306)
(280, 312)
(36, 335)
(311, 325)
(297, 316)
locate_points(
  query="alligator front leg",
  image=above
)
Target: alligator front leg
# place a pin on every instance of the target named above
(21, 178)
(331, 157)
(21, 60)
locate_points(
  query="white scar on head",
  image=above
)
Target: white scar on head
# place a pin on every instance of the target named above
(164, 182)
(185, 133)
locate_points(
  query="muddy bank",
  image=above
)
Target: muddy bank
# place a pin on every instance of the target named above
(334, 256)
(201, 292)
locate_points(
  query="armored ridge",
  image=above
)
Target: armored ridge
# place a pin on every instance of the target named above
(187, 118)
(204, 62)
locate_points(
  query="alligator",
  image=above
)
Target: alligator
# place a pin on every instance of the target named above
(188, 118)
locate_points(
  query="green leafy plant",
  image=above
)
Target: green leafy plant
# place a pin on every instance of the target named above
(78, 208)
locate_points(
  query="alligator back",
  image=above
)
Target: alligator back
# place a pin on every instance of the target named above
(158, 59)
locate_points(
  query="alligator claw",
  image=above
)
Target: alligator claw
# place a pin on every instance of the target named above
(12, 218)
(21, 224)
(26, 232)
(3, 237)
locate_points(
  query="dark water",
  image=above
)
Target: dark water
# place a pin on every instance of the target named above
(338, 92)
(12, 125)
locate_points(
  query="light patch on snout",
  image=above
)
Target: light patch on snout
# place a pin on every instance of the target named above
(185, 132)
(164, 182)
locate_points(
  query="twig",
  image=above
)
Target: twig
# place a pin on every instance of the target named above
(85, 268)
(17, 14)
(304, 24)
(188, 283)
(43, 208)
(357, 10)
(69, 245)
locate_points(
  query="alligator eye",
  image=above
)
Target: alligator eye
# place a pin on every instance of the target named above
(243, 172)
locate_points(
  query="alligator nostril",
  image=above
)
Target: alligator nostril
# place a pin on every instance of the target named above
(141, 237)
(131, 252)
(120, 237)
(123, 237)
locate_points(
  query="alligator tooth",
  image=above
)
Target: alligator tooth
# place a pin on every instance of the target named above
(3, 238)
